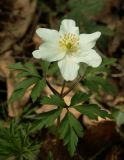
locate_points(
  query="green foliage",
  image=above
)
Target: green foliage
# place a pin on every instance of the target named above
(70, 129)
(45, 66)
(53, 100)
(36, 91)
(92, 111)
(108, 61)
(46, 119)
(79, 97)
(3, 111)
(29, 113)
(95, 82)
(102, 69)
(16, 144)
(96, 78)
(82, 12)
(54, 69)
(87, 7)
(28, 69)
(30, 77)
(15, 140)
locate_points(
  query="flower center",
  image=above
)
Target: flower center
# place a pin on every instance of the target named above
(69, 43)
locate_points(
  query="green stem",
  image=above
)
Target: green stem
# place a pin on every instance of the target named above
(52, 89)
(62, 95)
(72, 87)
(58, 124)
(63, 86)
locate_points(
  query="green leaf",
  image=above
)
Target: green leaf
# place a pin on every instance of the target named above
(23, 74)
(87, 7)
(93, 111)
(26, 83)
(45, 66)
(53, 100)
(17, 66)
(108, 61)
(37, 89)
(91, 85)
(104, 30)
(75, 125)
(96, 71)
(15, 142)
(53, 69)
(91, 26)
(28, 69)
(31, 68)
(22, 87)
(70, 129)
(79, 97)
(94, 82)
(17, 94)
(71, 140)
(106, 85)
(46, 119)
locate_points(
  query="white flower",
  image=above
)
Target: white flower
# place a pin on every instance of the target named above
(68, 47)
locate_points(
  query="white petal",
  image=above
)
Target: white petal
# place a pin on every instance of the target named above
(48, 52)
(88, 41)
(89, 57)
(68, 67)
(47, 35)
(37, 54)
(68, 26)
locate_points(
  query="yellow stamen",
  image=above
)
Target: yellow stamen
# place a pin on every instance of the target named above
(69, 43)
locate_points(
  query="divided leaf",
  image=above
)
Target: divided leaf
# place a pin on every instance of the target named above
(28, 69)
(70, 129)
(79, 97)
(32, 76)
(26, 83)
(108, 61)
(94, 82)
(36, 91)
(31, 68)
(93, 111)
(22, 87)
(46, 119)
(17, 66)
(45, 66)
(53, 100)
(16, 143)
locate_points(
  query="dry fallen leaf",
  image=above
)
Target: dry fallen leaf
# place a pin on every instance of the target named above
(23, 14)
(15, 108)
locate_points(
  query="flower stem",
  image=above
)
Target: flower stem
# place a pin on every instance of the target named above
(71, 88)
(63, 86)
(58, 124)
(62, 94)
(52, 89)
